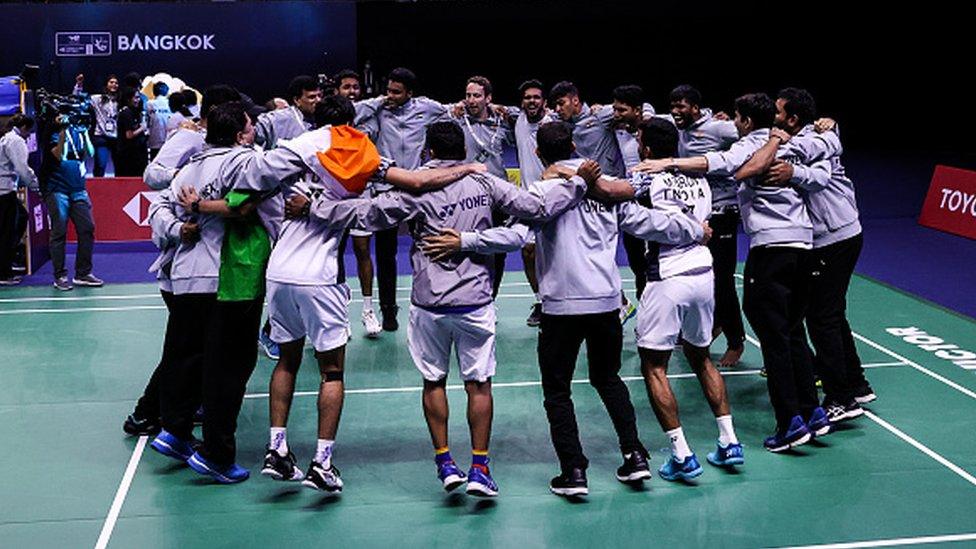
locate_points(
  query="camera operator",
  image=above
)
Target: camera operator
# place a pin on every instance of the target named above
(63, 188)
(14, 173)
(132, 153)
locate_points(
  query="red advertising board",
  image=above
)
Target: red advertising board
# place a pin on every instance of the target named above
(120, 206)
(950, 205)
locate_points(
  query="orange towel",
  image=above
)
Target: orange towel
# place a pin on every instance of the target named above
(352, 158)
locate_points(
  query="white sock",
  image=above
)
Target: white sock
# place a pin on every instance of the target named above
(726, 434)
(679, 446)
(323, 452)
(367, 303)
(279, 440)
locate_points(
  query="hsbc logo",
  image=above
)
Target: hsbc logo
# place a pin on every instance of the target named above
(138, 207)
(165, 42)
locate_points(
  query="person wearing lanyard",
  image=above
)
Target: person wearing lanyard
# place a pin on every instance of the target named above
(485, 135)
(106, 108)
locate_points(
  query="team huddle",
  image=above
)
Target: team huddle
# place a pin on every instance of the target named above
(254, 211)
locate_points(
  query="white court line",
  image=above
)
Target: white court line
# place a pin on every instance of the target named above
(417, 389)
(922, 448)
(84, 310)
(113, 512)
(921, 540)
(77, 298)
(916, 366)
(900, 434)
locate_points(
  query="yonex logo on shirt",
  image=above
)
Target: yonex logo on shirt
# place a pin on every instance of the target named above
(466, 203)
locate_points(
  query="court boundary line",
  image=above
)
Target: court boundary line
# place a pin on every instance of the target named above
(891, 542)
(113, 513)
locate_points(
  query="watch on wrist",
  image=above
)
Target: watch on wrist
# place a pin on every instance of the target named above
(195, 206)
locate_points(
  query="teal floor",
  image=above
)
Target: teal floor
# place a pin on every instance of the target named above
(73, 364)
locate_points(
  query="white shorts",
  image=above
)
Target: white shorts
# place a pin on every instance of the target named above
(320, 313)
(430, 337)
(682, 305)
(357, 232)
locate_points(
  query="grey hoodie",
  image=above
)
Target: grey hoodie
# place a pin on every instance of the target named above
(464, 280)
(576, 252)
(770, 215)
(832, 204)
(273, 126)
(707, 135)
(194, 268)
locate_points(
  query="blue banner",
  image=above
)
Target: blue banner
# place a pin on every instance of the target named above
(255, 46)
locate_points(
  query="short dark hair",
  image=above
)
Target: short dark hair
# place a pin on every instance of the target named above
(334, 110)
(403, 76)
(555, 141)
(659, 135)
(686, 93)
(224, 123)
(446, 141)
(629, 94)
(177, 102)
(562, 89)
(799, 103)
(300, 84)
(529, 84)
(757, 107)
(481, 81)
(20, 121)
(126, 95)
(345, 73)
(160, 89)
(132, 80)
(217, 95)
(189, 96)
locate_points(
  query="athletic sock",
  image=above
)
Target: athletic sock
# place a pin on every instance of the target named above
(726, 434)
(323, 452)
(367, 303)
(442, 456)
(679, 446)
(479, 460)
(279, 440)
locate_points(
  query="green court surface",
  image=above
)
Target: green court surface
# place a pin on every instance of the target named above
(72, 365)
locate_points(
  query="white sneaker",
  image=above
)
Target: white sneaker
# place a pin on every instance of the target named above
(371, 324)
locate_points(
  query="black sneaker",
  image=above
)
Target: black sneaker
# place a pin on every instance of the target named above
(281, 467)
(837, 412)
(138, 427)
(390, 323)
(572, 483)
(198, 416)
(635, 468)
(865, 395)
(535, 317)
(322, 479)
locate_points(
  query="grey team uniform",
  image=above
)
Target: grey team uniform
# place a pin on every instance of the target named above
(279, 124)
(679, 299)
(451, 298)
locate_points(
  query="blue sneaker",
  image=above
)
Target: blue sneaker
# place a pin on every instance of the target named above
(269, 347)
(450, 476)
(819, 424)
(724, 456)
(172, 446)
(480, 483)
(688, 469)
(229, 474)
(796, 434)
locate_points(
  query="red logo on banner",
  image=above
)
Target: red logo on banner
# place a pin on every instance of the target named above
(120, 206)
(950, 205)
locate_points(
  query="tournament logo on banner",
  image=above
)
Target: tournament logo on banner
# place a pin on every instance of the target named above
(950, 205)
(120, 207)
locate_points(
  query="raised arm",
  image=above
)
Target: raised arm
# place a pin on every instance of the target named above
(429, 179)
(372, 214)
(667, 228)
(763, 158)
